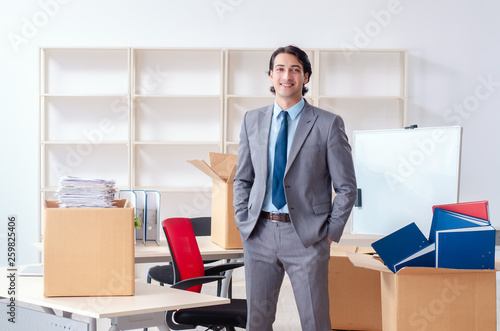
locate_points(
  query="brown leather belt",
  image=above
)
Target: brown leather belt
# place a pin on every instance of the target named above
(276, 217)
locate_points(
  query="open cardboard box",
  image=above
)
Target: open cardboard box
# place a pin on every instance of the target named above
(354, 292)
(88, 251)
(437, 299)
(222, 171)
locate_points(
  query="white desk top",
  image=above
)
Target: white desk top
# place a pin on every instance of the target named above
(151, 252)
(148, 298)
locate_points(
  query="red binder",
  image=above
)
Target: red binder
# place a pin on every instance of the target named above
(477, 209)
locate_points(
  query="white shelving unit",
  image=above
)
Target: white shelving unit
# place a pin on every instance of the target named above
(137, 114)
(367, 88)
(177, 116)
(84, 115)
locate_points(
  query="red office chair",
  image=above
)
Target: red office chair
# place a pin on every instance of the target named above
(187, 262)
(165, 274)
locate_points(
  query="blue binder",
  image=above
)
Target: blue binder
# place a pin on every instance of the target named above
(152, 224)
(445, 220)
(426, 257)
(466, 248)
(400, 245)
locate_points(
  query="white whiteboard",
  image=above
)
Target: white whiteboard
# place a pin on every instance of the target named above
(402, 173)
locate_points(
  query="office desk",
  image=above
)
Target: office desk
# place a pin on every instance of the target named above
(146, 308)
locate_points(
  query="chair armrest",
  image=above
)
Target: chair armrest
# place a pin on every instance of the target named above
(217, 269)
(187, 283)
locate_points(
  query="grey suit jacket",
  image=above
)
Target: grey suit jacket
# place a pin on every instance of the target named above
(319, 159)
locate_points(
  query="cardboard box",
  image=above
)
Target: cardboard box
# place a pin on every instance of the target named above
(434, 299)
(88, 251)
(355, 302)
(222, 171)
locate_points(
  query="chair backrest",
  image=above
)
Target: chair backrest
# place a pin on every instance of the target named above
(186, 256)
(202, 226)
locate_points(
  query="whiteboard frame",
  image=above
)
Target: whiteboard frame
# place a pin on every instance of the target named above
(404, 150)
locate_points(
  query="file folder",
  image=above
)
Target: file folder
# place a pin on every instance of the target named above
(477, 209)
(400, 245)
(445, 220)
(141, 208)
(426, 257)
(152, 222)
(132, 197)
(466, 248)
(147, 210)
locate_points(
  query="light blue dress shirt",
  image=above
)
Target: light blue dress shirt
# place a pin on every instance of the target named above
(294, 113)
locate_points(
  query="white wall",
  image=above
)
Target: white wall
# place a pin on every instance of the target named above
(453, 50)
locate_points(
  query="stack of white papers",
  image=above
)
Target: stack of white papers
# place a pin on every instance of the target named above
(75, 192)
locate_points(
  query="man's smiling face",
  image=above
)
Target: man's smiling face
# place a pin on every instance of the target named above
(288, 79)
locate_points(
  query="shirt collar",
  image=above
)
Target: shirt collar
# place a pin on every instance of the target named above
(293, 111)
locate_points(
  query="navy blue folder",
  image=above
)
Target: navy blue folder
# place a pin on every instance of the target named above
(400, 245)
(466, 248)
(426, 257)
(445, 220)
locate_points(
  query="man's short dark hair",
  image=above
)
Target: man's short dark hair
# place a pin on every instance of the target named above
(300, 55)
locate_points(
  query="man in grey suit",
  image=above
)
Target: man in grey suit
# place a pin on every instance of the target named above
(291, 155)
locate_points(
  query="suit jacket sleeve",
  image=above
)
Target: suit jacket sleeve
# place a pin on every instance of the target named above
(243, 182)
(341, 170)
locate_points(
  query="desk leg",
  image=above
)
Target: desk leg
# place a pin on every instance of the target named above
(92, 324)
(52, 312)
(48, 310)
(140, 321)
(226, 282)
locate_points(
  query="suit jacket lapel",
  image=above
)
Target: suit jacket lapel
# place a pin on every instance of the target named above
(306, 122)
(265, 116)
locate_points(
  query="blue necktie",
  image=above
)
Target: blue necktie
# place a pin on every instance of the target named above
(280, 163)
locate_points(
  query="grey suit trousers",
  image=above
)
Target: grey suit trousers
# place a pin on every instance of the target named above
(272, 249)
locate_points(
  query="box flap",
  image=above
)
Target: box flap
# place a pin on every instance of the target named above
(232, 175)
(366, 261)
(123, 203)
(341, 250)
(223, 164)
(51, 204)
(365, 250)
(203, 166)
(338, 250)
(119, 203)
